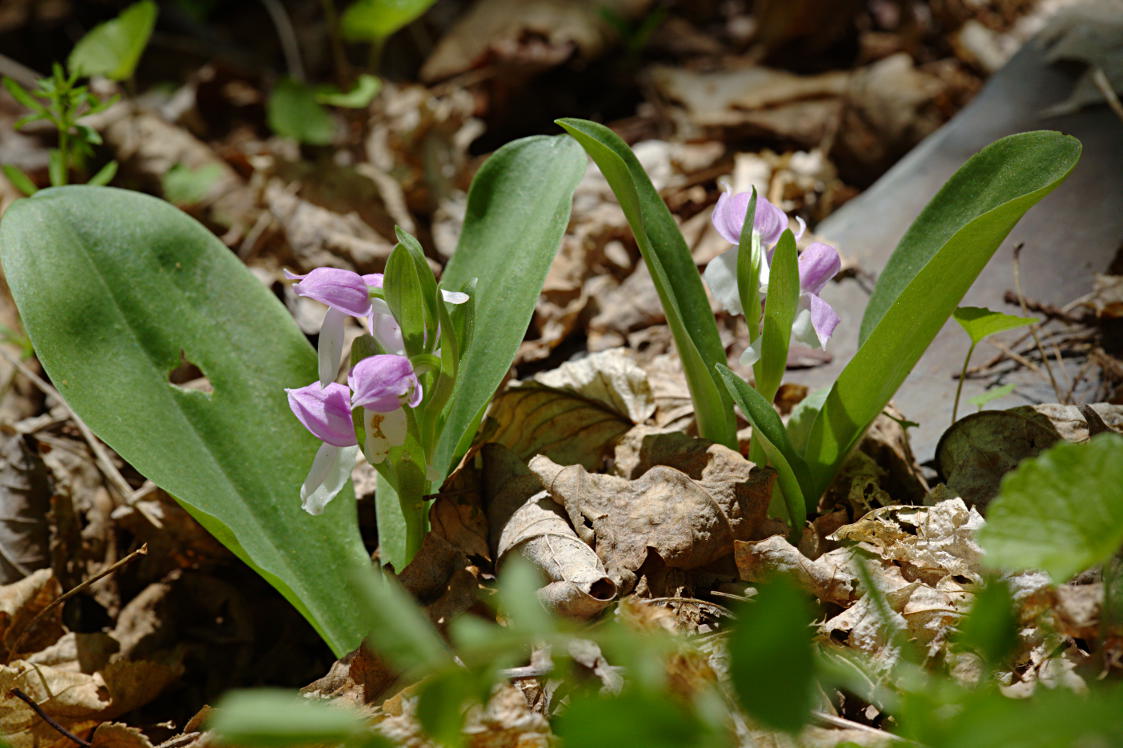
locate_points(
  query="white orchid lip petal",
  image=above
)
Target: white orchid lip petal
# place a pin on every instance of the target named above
(329, 349)
(330, 471)
(721, 276)
(384, 431)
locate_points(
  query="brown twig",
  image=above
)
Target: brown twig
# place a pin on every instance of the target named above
(47, 718)
(143, 550)
(1033, 327)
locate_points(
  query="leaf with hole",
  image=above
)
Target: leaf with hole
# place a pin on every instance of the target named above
(113, 287)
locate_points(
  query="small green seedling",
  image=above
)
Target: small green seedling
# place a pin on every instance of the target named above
(981, 323)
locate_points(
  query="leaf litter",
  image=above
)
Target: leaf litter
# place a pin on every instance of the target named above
(584, 469)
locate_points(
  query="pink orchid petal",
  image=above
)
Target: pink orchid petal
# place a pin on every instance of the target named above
(324, 411)
(382, 383)
(343, 290)
(818, 263)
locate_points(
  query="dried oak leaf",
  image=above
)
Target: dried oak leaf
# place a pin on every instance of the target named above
(685, 523)
(979, 449)
(20, 606)
(525, 520)
(830, 577)
(574, 413)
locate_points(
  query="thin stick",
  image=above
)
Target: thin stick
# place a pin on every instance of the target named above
(841, 722)
(287, 37)
(47, 718)
(1102, 83)
(142, 551)
(108, 469)
(1033, 327)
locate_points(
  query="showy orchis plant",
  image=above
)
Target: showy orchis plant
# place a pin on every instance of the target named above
(384, 389)
(933, 266)
(417, 382)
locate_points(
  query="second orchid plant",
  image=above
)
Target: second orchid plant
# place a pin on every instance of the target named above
(777, 289)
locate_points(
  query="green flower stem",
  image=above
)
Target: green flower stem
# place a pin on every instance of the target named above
(962, 376)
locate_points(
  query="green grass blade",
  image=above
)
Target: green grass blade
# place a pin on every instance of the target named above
(779, 313)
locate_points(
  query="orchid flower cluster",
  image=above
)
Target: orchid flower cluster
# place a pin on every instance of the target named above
(390, 376)
(815, 320)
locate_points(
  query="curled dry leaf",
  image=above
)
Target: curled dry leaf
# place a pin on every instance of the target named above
(830, 577)
(687, 524)
(525, 520)
(574, 413)
(979, 449)
(506, 721)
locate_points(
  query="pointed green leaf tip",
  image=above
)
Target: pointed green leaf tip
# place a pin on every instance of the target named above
(115, 289)
(980, 322)
(1061, 512)
(113, 48)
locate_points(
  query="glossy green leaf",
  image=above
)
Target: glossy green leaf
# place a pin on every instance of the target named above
(779, 313)
(771, 661)
(935, 264)
(518, 209)
(1061, 512)
(374, 20)
(292, 111)
(113, 48)
(980, 322)
(115, 289)
(676, 278)
(769, 432)
(272, 718)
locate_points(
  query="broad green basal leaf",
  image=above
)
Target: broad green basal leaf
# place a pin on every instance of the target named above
(113, 49)
(1061, 511)
(518, 208)
(935, 264)
(115, 290)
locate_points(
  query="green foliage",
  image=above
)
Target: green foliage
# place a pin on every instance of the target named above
(518, 208)
(398, 628)
(292, 111)
(769, 433)
(779, 313)
(375, 20)
(771, 661)
(62, 102)
(115, 289)
(935, 264)
(269, 718)
(673, 271)
(1061, 512)
(185, 186)
(635, 717)
(359, 97)
(113, 48)
(980, 323)
(991, 628)
(994, 393)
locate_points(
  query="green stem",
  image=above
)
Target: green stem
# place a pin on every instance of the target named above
(959, 387)
(412, 487)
